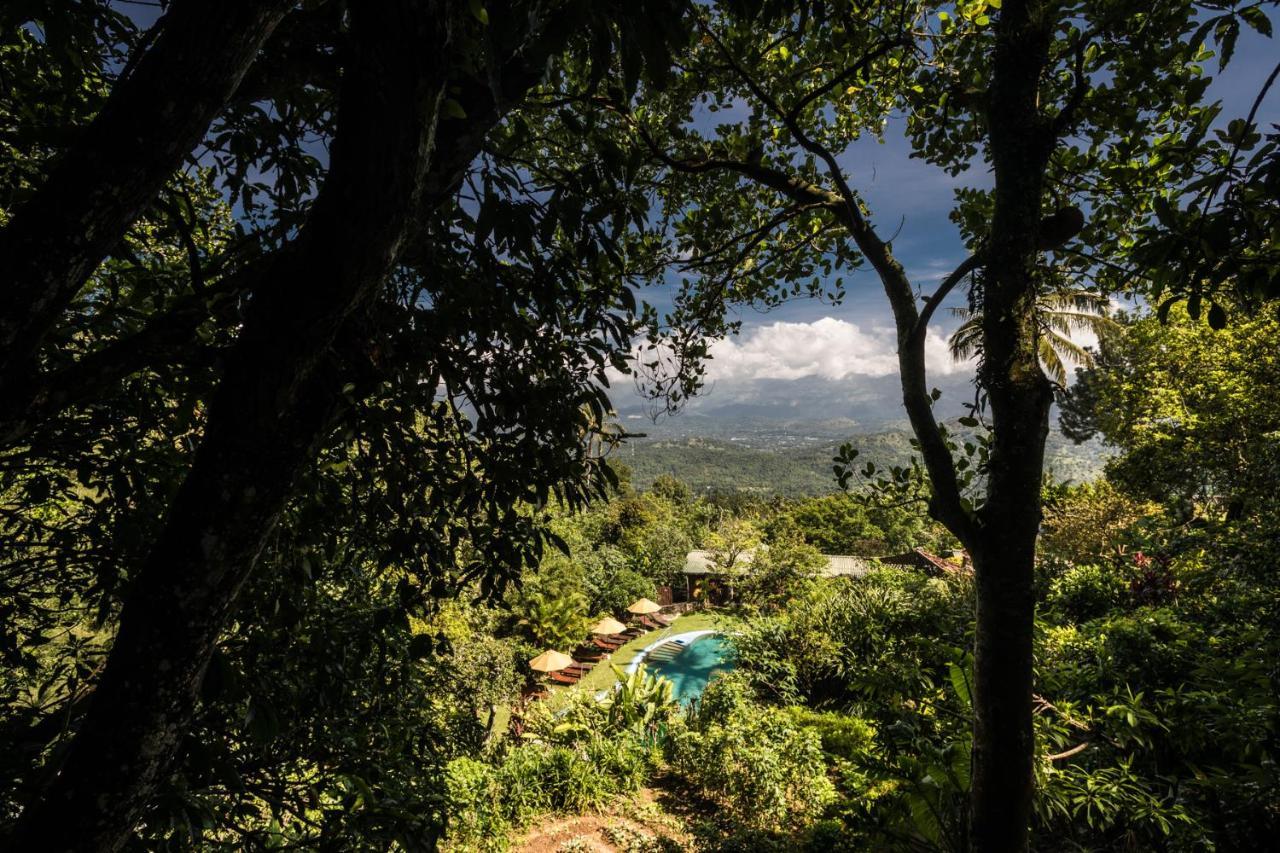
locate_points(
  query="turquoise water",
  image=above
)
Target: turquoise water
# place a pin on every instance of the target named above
(691, 667)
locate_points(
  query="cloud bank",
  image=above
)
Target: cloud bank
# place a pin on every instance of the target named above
(827, 348)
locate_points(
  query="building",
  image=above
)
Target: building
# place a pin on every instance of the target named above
(706, 581)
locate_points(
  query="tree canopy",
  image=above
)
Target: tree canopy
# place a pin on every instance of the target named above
(308, 318)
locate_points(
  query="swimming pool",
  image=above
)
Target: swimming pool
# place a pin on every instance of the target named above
(690, 661)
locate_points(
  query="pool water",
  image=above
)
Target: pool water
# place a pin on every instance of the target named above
(691, 666)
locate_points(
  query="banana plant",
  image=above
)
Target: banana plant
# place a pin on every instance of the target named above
(640, 700)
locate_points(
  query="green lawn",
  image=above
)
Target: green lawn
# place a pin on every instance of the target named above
(603, 675)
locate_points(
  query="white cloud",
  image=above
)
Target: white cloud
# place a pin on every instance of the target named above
(827, 348)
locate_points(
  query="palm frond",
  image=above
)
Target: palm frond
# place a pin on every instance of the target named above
(966, 341)
(1050, 362)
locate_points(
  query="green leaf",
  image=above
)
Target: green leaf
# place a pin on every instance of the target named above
(960, 683)
(1257, 19)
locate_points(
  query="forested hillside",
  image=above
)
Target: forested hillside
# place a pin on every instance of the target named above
(718, 464)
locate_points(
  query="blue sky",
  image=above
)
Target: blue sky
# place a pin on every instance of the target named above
(845, 352)
(805, 341)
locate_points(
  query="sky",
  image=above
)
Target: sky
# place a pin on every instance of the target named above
(836, 353)
(831, 361)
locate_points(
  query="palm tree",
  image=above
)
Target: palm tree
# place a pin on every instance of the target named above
(1060, 312)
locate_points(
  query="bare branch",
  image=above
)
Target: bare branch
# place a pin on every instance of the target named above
(967, 266)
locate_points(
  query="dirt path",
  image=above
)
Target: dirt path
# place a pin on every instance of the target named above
(637, 824)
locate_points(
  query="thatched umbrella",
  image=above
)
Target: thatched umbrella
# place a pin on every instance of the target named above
(643, 607)
(551, 661)
(607, 626)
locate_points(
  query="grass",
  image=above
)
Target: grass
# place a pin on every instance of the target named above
(603, 676)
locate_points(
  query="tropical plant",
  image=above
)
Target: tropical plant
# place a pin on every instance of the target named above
(1058, 313)
(553, 618)
(640, 701)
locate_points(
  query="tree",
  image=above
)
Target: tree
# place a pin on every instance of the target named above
(1211, 236)
(346, 311)
(732, 544)
(1057, 101)
(154, 118)
(779, 572)
(1191, 408)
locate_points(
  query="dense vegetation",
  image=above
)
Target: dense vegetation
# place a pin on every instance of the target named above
(844, 726)
(309, 315)
(711, 465)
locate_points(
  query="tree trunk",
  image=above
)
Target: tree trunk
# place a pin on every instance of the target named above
(281, 389)
(149, 125)
(1019, 396)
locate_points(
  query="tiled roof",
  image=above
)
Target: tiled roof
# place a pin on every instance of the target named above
(838, 565)
(703, 563)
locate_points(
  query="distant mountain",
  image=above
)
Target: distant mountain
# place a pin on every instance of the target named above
(777, 436)
(767, 457)
(853, 404)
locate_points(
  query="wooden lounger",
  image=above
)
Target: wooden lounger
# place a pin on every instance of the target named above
(564, 677)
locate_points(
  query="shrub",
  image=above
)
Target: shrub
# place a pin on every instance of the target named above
(842, 736)
(766, 770)
(476, 810)
(487, 801)
(1086, 592)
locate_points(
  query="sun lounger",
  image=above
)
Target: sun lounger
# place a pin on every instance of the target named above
(664, 619)
(564, 677)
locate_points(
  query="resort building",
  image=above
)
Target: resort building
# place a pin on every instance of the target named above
(706, 580)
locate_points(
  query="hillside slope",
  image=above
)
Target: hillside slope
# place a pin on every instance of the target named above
(802, 464)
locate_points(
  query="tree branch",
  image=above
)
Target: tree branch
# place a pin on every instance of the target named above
(948, 284)
(300, 52)
(151, 122)
(1065, 119)
(167, 339)
(946, 505)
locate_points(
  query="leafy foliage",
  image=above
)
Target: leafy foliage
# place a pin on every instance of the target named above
(1192, 408)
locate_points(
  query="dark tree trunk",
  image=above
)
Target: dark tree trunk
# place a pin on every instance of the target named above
(151, 122)
(1019, 396)
(278, 398)
(273, 407)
